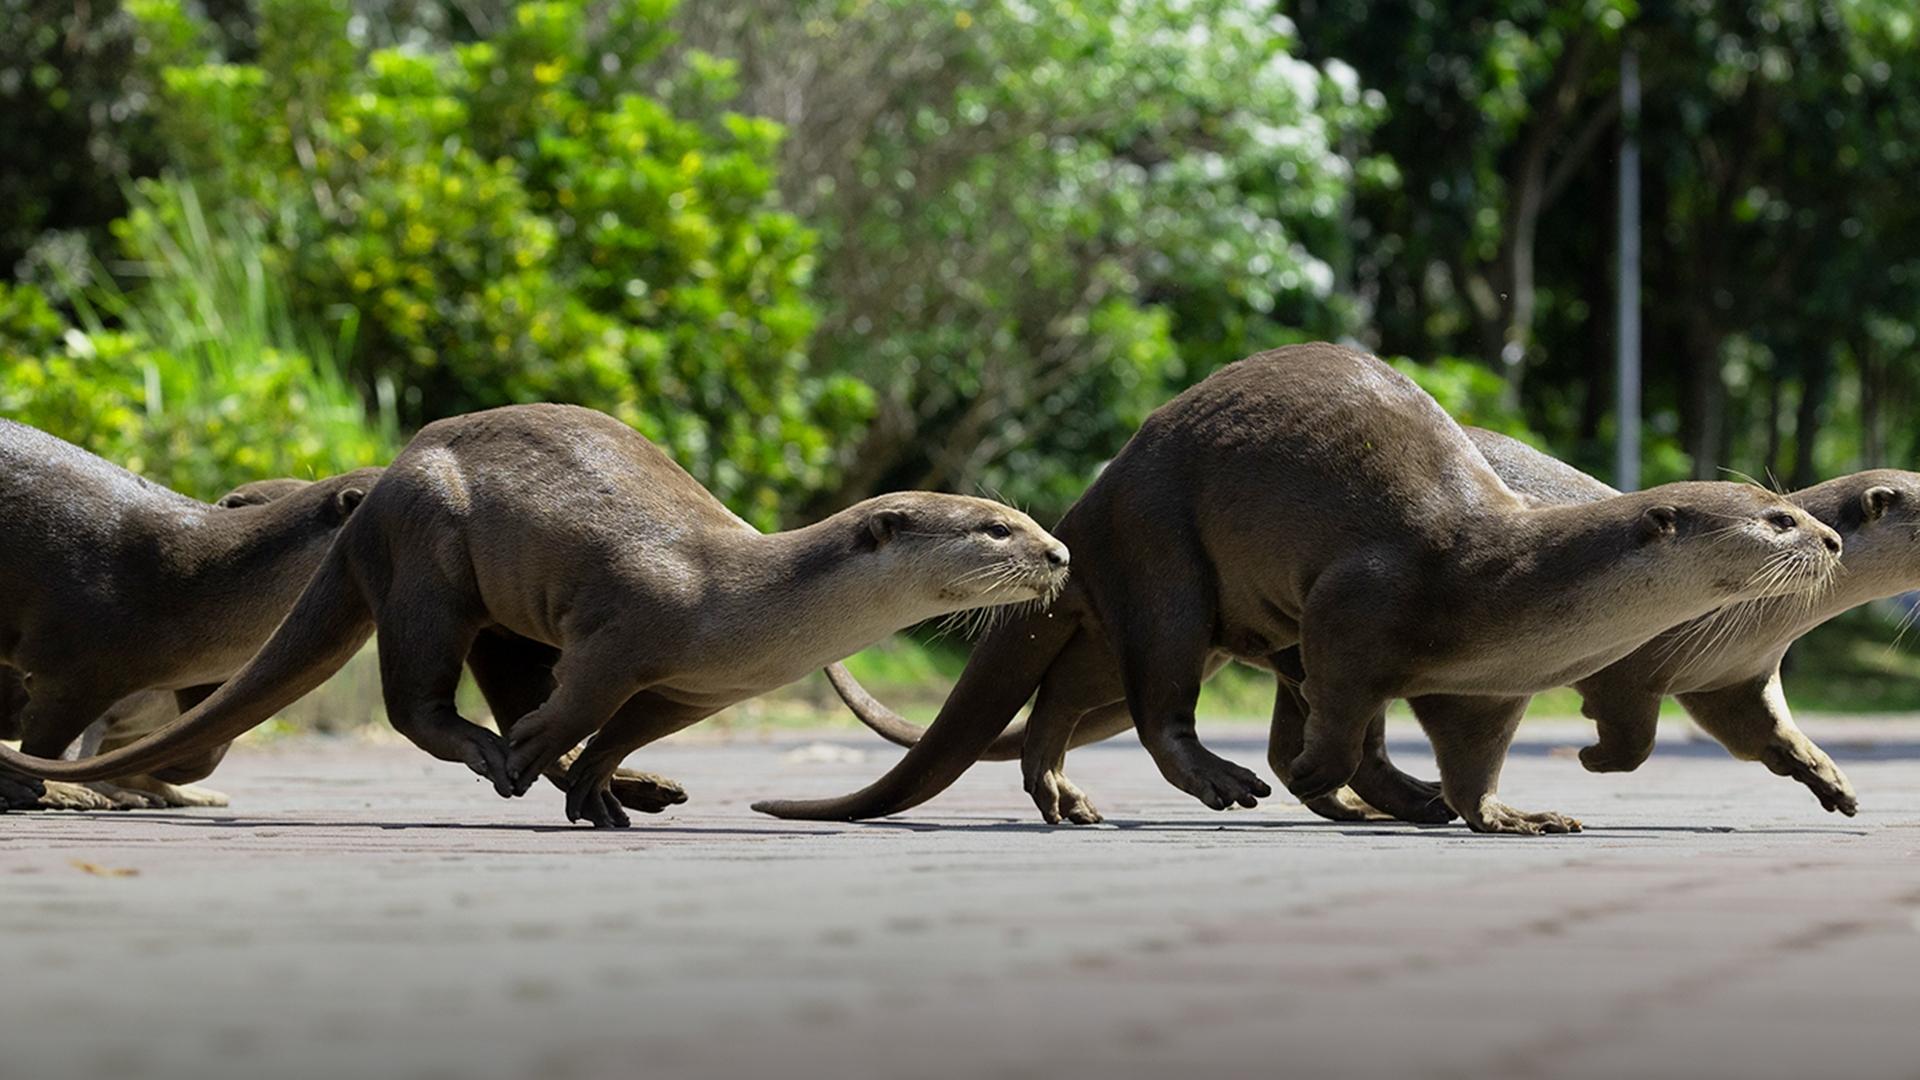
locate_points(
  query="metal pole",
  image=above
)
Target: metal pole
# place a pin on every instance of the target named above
(1627, 365)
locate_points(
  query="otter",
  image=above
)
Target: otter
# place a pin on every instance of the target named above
(605, 588)
(246, 613)
(1314, 496)
(136, 714)
(1723, 668)
(113, 584)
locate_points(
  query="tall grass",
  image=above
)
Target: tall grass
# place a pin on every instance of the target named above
(189, 363)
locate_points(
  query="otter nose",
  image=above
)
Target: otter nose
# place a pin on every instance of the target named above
(1057, 555)
(1831, 539)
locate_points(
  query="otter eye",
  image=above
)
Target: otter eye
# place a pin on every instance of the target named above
(998, 531)
(1782, 521)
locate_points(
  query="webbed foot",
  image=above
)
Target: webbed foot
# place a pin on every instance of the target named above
(1059, 800)
(646, 792)
(1810, 765)
(1494, 816)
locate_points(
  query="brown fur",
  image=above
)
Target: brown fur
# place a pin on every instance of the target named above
(113, 584)
(1314, 496)
(573, 564)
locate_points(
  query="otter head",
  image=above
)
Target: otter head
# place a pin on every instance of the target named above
(1750, 542)
(339, 504)
(963, 552)
(260, 492)
(1877, 514)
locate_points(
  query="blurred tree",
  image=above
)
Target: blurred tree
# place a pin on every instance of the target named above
(1037, 221)
(1780, 278)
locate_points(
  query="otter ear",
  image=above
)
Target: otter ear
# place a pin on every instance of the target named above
(884, 525)
(1876, 501)
(1658, 523)
(346, 501)
(238, 498)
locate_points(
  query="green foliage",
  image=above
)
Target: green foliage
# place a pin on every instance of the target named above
(521, 219)
(71, 120)
(1038, 221)
(201, 378)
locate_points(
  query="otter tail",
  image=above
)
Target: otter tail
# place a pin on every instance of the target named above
(327, 625)
(1005, 670)
(896, 729)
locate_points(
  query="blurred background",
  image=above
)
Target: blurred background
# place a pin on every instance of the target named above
(822, 249)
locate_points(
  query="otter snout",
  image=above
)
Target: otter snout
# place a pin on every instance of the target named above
(1057, 556)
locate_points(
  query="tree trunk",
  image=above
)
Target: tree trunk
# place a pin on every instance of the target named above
(1873, 390)
(1816, 373)
(1706, 395)
(1770, 462)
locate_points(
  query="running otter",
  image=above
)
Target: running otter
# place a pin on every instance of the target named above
(135, 715)
(1314, 496)
(113, 584)
(573, 555)
(1724, 668)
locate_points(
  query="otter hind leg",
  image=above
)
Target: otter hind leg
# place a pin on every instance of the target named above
(1380, 784)
(58, 712)
(1080, 701)
(1470, 737)
(1752, 721)
(422, 644)
(1378, 790)
(515, 675)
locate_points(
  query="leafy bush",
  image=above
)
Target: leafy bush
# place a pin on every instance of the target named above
(201, 378)
(520, 219)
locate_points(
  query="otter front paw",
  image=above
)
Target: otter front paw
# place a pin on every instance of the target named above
(590, 796)
(646, 792)
(1212, 779)
(1808, 764)
(1058, 799)
(1605, 757)
(1314, 775)
(1494, 816)
(467, 744)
